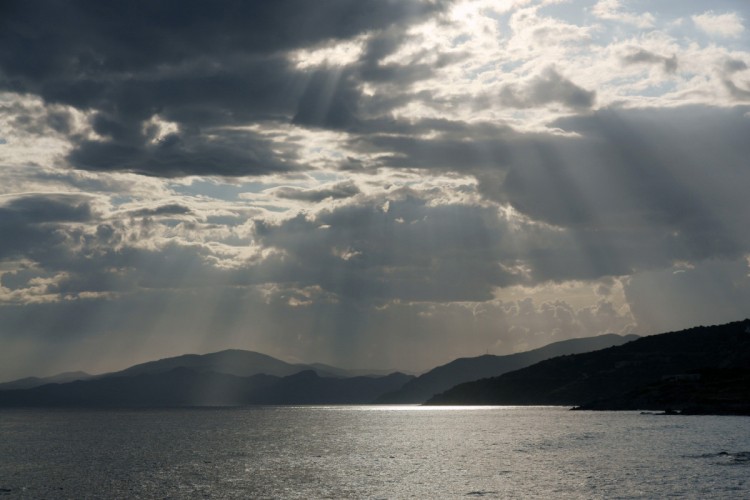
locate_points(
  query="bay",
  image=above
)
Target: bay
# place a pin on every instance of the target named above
(371, 452)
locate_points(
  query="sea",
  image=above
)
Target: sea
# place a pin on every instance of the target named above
(371, 452)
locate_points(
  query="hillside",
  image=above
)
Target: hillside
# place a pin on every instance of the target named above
(236, 362)
(182, 386)
(649, 373)
(463, 370)
(29, 382)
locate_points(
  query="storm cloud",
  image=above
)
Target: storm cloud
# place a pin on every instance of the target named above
(198, 66)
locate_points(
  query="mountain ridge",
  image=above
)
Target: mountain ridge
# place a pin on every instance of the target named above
(246, 363)
(183, 387)
(460, 370)
(30, 382)
(617, 378)
(238, 362)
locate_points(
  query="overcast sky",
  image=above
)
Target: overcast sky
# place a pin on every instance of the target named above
(372, 183)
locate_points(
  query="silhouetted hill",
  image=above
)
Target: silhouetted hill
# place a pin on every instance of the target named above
(706, 391)
(322, 369)
(463, 370)
(630, 376)
(187, 387)
(177, 387)
(29, 382)
(230, 362)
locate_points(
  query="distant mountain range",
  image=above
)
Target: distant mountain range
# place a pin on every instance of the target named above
(699, 370)
(463, 370)
(181, 387)
(29, 382)
(237, 377)
(230, 362)
(231, 377)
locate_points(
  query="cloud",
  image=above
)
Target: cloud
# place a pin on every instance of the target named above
(167, 210)
(545, 88)
(612, 10)
(206, 69)
(226, 153)
(28, 223)
(731, 67)
(349, 280)
(341, 190)
(397, 247)
(642, 56)
(621, 192)
(628, 171)
(47, 207)
(330, 100)
(38, 120)
(627, 189)
(727, 25)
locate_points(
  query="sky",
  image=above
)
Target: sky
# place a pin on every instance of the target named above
(369, 183)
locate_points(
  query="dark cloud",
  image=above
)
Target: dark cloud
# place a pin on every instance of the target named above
(199, 65)
(37, 119)
(652, 169)
(175, 155)
(398, 76)
(632, 189)
(52, 207)
(330, 100)
(403, 145)
(550, 86)
(345, 189)
(734, 65)
(739, 92)
(642, 56)
(59, 39)
(170, 209)
(646, 180)
(400, 249)
(28, 224)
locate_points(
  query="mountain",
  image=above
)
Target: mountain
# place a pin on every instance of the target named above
(229, 362)
(177, 387)
(352, 372)
(463, 370)
(29, 382)
(181, 386)
(242, 364)
(701, 370)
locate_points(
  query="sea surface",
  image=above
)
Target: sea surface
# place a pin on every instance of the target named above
(371, 452)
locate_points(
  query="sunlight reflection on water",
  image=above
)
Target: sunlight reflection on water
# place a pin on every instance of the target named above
(410, 408)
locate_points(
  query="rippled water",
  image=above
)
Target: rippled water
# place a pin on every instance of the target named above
(371, 452)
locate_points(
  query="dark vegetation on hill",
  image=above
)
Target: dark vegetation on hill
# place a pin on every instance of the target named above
(462, 370)
(699, 370)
